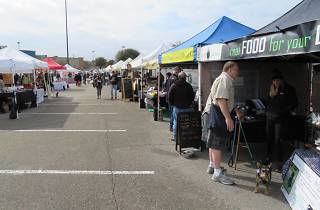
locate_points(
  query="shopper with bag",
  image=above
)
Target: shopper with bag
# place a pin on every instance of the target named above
(219, 105)
(114, 84)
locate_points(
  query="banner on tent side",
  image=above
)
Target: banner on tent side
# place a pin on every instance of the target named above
(184, 55)
(210, 53)
(299, 39)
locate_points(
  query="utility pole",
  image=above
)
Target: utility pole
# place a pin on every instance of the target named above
(67, 34)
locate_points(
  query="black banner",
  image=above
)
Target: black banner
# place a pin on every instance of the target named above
(299, 39)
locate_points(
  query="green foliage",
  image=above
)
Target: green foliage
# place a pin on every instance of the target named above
(110, 62)
(100, 62)
(127, 53)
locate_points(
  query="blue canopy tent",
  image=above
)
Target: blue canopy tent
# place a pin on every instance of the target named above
(223, 30)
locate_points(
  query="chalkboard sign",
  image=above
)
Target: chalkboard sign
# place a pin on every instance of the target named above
(127, 88)
(189, 130)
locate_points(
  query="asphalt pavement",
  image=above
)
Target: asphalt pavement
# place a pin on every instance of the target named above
(80, 152)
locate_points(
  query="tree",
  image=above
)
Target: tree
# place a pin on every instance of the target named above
(110, 62)
(127, 53)
(88, 64)
(100, 62)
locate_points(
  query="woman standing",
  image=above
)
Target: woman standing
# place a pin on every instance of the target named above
(98, 84)
(114, 84)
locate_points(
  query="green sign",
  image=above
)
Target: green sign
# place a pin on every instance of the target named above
(300, 39)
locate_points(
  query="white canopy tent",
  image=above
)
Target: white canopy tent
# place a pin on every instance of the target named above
(125, 63)
(71, 69)
(118, 65)
(150, 61)
(108, 68)
(11, 66)
(22, 57)
(137, 62)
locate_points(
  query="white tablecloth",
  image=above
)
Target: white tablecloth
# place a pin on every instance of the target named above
(40, 96)
(58, 86)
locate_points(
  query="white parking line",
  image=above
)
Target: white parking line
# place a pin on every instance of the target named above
(72, 113)
(73, 172)
(98, 131)
(73, 104)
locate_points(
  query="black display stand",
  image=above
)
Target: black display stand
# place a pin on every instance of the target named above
(127, 88)
(189, 131)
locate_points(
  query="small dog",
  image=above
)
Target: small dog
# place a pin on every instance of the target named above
(264, 175)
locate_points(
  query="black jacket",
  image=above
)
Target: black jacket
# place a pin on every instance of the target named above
(181, 94)
(169, 83)
(284, 102)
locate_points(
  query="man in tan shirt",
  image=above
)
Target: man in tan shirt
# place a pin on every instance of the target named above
(222, 97)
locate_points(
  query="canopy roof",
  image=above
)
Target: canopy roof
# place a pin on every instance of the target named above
(125, 63)
(9, 65)
(223, 30)
(137, 62)
(71, 69)
(23, 63)
(117, 65)
(53, 65)
(295, 36)
(305, 11)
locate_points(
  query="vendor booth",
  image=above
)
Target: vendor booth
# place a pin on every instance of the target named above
(58, 84)
(290, 44)
(147, 85)
(69, 74)
(185, 54)
(19, 73)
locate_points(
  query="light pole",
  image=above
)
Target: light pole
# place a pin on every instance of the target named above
(18, 45)
(67, 33)
(93, 57)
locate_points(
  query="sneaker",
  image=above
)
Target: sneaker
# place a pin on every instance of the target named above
(210, 170)
(223, 179)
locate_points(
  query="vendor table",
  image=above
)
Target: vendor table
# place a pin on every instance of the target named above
(59, 86)
(23, 97)
(40, 95)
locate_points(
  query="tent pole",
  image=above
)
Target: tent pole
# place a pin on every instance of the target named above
(200, 86)
(15, 103)
(35, 85)
(159, 80)
(141, 78)
(311, 87)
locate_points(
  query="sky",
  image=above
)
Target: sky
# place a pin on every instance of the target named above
(104, 26)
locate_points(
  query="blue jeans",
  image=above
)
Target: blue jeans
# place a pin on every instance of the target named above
(171, 117)
(175, 113)
(114, 88)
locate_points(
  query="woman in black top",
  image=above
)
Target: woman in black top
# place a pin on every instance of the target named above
(98, 85)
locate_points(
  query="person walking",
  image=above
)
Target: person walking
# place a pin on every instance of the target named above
(282, 102)
(114, 84)
(98, 84)
(221, 102)
(170, 81)
(85, 79)
(181, 97)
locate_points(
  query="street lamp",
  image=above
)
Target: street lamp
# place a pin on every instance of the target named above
(18, 45)
(93, 55)
(67, 34)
